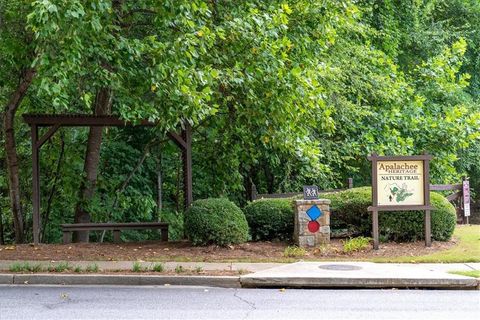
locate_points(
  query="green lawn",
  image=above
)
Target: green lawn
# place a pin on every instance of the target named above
(471, 273)
(466, 250)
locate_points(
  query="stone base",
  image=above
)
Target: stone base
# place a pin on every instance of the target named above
(302, 236)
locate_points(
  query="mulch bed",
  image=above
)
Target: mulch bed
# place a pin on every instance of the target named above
(183, 251)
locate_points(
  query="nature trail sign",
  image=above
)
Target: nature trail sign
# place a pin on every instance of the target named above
(400, 183)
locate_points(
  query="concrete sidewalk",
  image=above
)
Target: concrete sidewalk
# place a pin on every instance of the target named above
(294, 275)
(362, 275)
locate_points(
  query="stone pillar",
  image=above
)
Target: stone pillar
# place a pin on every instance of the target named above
(312, 222)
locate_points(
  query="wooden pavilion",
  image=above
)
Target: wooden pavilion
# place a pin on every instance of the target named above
(53, 122)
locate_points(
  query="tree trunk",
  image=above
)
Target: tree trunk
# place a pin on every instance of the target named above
(103, 102)
(2, 238)
(159, 185)
(11, 152)
(2, 168)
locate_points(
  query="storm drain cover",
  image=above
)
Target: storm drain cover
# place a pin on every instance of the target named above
(339, 267)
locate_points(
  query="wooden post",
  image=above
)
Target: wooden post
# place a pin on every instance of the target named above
(254, 192)
(350, 183)
(35, 185)
(376, 237)
(116, 236)
(428, 234)
(187, 165)
(67, 237)
(375, 232)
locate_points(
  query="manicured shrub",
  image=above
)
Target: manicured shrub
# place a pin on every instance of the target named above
(349, 210)
(215, 221)
(270, 219)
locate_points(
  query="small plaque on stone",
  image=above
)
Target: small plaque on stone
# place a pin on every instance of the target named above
(310, 192)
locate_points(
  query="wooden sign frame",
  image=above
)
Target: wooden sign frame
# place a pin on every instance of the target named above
(375, 208)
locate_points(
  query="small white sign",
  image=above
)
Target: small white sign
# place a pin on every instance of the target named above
(466, 198)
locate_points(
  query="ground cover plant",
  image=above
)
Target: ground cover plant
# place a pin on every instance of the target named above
(356, 244)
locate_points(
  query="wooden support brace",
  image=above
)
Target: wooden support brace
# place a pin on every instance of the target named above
(47, 135)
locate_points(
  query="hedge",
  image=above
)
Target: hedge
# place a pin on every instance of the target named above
(270, 219)
(215, 221)
(349, 211)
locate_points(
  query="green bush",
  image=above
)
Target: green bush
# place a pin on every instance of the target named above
(215, 221)
(270, 219)
(175, 224)
(349, 210)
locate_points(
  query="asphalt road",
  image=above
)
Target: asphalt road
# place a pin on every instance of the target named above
(110, 302)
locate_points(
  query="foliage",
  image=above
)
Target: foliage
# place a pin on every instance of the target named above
(158, 267)
(294, 252)
(24, 267)
(215, 221)
(280, 94)
(179, 269)
(61, 267)
(349, 210)
(356, 244)
(175, 224)
(137, 267)
(92, 268)
(270, 219)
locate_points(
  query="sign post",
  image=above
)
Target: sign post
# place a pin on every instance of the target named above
(400, 183)
(466, 199)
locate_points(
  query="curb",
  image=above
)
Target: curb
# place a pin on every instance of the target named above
(239, 282)
(6, 278)
(360, 283)
(129, 280)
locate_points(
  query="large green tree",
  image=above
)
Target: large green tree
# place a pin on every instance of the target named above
(280, 94)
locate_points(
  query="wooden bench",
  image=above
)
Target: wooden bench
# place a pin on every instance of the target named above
(67, 229)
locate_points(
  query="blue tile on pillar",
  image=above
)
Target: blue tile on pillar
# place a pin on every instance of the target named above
(314, 212)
